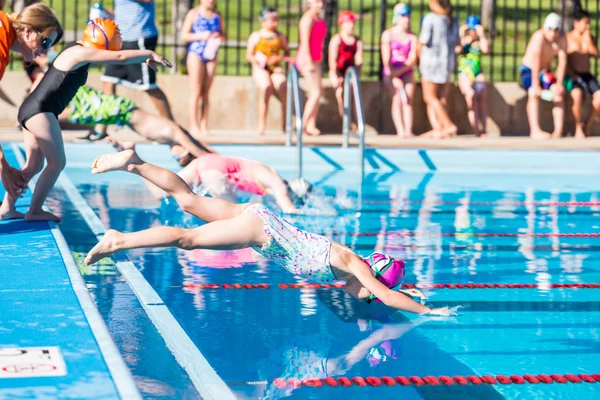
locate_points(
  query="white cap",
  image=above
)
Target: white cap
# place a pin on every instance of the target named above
(552, 22)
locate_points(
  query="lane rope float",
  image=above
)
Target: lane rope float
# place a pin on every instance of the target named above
(238, 286)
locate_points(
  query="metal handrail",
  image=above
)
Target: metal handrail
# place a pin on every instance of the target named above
(352, 84)
(293, 93)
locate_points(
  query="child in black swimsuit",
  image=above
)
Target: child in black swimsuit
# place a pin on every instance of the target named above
(38, 114)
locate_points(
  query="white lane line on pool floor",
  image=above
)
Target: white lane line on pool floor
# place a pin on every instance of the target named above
(204, 378)
(119, 371)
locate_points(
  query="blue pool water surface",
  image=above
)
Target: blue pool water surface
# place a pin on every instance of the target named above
(251, 337)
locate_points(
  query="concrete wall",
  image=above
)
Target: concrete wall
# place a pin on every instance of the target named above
(234, 105)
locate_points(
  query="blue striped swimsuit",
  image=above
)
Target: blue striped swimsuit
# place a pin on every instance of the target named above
(203, 24)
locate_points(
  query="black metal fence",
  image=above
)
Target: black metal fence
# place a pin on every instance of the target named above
(514, 20)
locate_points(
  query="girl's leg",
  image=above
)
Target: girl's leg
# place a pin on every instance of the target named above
(194, 65)
(311, 108)
(409, 89)
(243, 231)
(205, 208)
(210, 71)
(483, 106)
(433, 104)
(44, 127)
(263, 81)
(466, 87)
(280, 84)
(393, 89)
(163, 130)
(33, 165)
(578, 98)
(432, 93)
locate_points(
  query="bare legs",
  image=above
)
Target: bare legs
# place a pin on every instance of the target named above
(229, 227)
(201, 75)
(269, 84)
(558, 113)
(584, 128)
(401, 91)
(475, 97)
(578, 97)
(432, 94)
(533, 115)
(162, 130)
(43, 139)
(312, 76)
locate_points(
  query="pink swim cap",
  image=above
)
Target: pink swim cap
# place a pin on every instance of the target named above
(381, 353)
(387, 270)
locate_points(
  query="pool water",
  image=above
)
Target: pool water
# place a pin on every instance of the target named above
(449, 227)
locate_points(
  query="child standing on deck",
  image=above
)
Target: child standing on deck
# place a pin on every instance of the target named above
(39, 112)
(313, 30)
(471, 79)
(399, 55)
(264, 53)
(204, 31)
(345, 51)
(237, 226)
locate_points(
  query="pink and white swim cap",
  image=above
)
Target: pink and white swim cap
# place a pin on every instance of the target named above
(387, 270)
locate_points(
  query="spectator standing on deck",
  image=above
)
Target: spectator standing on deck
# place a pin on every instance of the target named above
(313, 30)
(345, 51)
(471, 79)
(135, 19)
(399, 55)
(204, 30)
(438, 38)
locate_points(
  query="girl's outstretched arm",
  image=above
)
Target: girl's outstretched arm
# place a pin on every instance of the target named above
(79, 55)
(345, 260)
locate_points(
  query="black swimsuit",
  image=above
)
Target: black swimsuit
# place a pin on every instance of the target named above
(55, 91)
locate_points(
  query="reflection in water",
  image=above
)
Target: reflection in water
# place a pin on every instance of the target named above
(317, 356)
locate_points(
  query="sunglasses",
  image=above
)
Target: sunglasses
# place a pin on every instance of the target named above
(46, 42)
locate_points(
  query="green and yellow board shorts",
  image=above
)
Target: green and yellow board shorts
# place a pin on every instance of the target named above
(90, 107)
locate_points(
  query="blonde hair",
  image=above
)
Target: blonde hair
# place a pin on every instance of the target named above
(38, 17)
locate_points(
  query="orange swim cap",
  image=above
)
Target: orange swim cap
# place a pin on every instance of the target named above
(103, 34)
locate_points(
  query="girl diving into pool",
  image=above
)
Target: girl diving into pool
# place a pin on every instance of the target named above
(223, 177)
(38, 114)
(237, 226)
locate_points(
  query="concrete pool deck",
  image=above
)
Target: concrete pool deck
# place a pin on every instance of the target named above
(372, 140)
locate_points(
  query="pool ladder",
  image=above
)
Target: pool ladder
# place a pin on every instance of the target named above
(293, 93)
(294, 103)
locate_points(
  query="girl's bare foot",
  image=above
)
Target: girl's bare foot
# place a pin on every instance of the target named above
(483, 135)
(114, 162)
(429, 134)
(312, 131)
(541, 135)
(104, 248)
(120, 146)
(6, 213)
(41, 216)
(449, 132)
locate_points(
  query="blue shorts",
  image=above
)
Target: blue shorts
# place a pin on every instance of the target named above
(525, 73)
